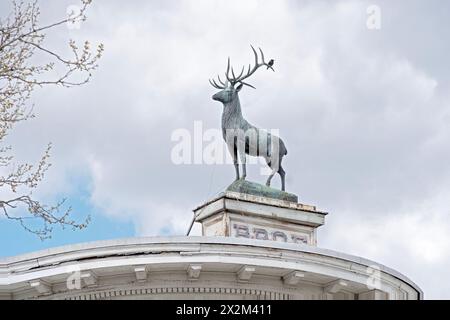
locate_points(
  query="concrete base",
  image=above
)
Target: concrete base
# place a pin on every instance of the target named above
(241, 215)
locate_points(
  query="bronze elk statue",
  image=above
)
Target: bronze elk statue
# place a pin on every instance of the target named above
(240, 136)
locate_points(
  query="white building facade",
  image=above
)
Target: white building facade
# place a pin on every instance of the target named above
(252, 247)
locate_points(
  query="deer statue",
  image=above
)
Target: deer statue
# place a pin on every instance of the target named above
(240, 136)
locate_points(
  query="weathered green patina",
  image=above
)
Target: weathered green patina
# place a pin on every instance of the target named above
(256, 189)
(241, 137)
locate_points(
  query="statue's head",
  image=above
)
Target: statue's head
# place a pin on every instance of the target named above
(233, 84)
(228, 94)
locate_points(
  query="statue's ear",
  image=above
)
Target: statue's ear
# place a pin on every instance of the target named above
(239, 87)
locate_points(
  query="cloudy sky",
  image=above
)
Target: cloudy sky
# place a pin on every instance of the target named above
(365, 115)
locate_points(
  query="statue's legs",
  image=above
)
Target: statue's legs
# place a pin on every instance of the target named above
(236, 167)
(270, 177)
(274, 168)
(282, 174)
(275, 165)
(232, 148)
(243, 161)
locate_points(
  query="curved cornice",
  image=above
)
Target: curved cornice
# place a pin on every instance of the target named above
(192, 245)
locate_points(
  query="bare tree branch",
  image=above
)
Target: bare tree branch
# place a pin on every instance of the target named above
(22, 42)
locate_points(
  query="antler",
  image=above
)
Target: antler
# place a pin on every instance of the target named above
(215, 85)
(251, 71)
(239, 79)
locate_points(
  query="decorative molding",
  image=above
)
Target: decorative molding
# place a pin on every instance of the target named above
(103, 265)
(117, 293)
(89, 278)
(293, 278)
(41, 286)
(335, 286)
(141, 273)
(5, 296)
(193, 271)
(245, 273)
(373, 295)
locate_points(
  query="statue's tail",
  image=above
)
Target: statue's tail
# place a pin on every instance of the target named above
(284, 147)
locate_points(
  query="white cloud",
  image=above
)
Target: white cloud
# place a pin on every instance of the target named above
(364, 116)
(413, 240)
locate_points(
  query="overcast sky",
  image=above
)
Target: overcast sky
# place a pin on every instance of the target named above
(364, 113)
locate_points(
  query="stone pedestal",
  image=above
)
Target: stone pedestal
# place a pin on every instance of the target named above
(268, 217)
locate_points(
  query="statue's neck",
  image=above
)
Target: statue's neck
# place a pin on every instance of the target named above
(233, 108)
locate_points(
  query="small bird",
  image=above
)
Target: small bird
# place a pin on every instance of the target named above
(270, 64)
